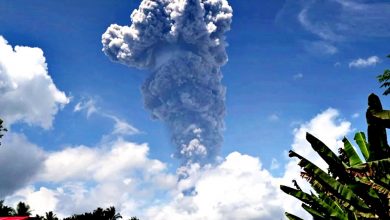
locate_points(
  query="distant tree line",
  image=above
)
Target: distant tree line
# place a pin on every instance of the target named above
(23, 209)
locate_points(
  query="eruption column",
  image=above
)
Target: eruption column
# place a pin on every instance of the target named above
(182, 43)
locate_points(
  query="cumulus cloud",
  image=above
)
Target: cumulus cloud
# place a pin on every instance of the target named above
(20, 161)
(326, 126)
(361, 63)
(27, 92)
(330, 129)
(121, 173)
(241, 188)
(183, 44)
(118, 173)
(238, 188)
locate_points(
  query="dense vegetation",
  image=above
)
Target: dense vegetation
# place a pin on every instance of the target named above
(353, 187)
(22, 209)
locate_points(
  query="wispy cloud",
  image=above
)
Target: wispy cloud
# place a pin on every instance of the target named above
(88, 106)
(320, 47)
(356, 115)
(361, 63)
(337, 21)
(324, 31)
(337, 64)
(274, 164)
(121, 127)
(273, 117)
(298, 76)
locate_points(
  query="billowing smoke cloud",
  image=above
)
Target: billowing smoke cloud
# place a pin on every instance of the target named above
(182, 43)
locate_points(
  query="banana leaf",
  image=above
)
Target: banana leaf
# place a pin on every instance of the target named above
(360, 139)
(377, 168)
(299, 194)
(353, 157)
(336, 166)
(314, 213)
(292, 217)
(333, 186)
(329, 207)
(380, 189)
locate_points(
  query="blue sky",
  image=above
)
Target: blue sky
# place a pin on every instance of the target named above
(293, 65)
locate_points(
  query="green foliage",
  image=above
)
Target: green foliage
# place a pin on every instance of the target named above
(22, 209)
(50, 216)
(5, 210)
(384, 79)
(97, 214)
(354, 188)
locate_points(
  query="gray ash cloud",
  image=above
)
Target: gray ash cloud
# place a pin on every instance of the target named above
(182, 43)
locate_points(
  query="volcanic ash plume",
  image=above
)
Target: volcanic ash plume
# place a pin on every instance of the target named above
(182, 42)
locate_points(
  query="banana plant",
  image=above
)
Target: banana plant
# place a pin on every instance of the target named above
(353, 187)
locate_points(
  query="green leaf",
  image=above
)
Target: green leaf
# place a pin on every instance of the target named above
(377, 187)
(299, 194)
(333, 186)
(376, 168)
(336, 166)
(292, 217)
(360, 139)
(314, 213)
(353, 157)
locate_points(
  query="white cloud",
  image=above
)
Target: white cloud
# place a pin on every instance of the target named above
(238, 188)
(320, 47)
(323, 31)
(121, 173)
(89, 106)
(20, 161)
(327, 127)
(361, 63)
(356, 115)
(121, 127)
(336, 21)
(298, 76)
(274, 164)
(273, 117)
(118, 173)
(340, 20)
(27, 92)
